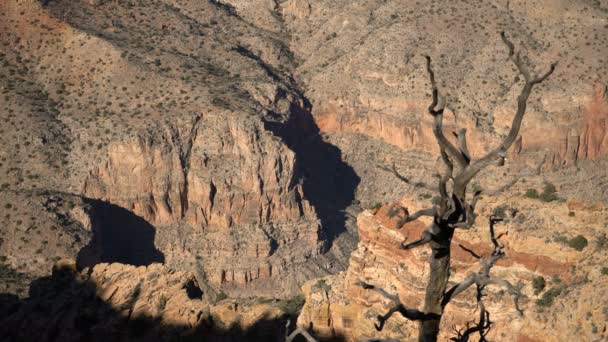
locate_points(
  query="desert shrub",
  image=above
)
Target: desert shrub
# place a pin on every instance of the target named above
(549, 296)
(500, 211)
(292, 306)
(538, 283)
(221, 296)
(549, 193)
(321, 285)
(549, 188)
(578, 242)
(604, 271)
(377, 205)
(532, 193)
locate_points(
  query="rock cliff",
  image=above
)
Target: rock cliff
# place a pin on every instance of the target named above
(239, 140)
(335, 306)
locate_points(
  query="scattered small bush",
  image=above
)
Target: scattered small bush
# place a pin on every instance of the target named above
(604, 271)
(549, 193)
(578, 242)
(532, 193)
(538, 283)
(321, 285)
(221, 296)
(293, 305)
(549, 296)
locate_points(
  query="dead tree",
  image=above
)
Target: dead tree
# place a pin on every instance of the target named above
(456, 211)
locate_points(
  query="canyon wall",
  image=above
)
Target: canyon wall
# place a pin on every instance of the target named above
(335, 306)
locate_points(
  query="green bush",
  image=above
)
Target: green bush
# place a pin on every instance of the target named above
(549, 193)
(604, 271)
(532, 193)
(321, 285)
(538, 283)
(377, 206)
(293, 305)
(547, 299)
(220, 296)
(578, 242)
(548, 197)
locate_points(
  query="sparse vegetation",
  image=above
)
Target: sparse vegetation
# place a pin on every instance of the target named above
(220, 296)
(578, 242)
(549, 296)
(292, 306)
(538, 283)
(321, 285)
(532, 193)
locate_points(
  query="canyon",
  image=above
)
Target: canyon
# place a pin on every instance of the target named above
(243, 150)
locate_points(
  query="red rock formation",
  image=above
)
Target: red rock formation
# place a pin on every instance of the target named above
(335, 306)
(594, 133)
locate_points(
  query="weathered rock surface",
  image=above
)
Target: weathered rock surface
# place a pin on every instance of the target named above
(128, 303)
(185, 131)
(238, 140)
(336, 307)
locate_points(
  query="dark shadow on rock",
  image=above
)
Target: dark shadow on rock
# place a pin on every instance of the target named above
(118, 236)
(328, 182)
(65, 307)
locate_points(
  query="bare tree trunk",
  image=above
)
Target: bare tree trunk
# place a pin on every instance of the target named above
(437, 284)
(454, 212)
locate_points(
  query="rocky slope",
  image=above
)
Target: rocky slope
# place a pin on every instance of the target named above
(335, 306)
(127, 303)
(238, 140)
(177, 142)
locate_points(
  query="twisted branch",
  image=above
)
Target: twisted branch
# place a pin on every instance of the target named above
(397, 306)
(522, 101)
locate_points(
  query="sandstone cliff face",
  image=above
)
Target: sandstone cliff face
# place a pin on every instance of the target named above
(141, 121)
(227, 173)
(335, 306)
(365, 70)
(237, 140)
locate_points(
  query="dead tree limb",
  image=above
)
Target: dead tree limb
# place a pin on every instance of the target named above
(396, 306)
(522, 102)
(456, 211)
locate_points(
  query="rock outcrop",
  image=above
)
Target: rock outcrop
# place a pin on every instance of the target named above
(193, 146)
(127, 303)
(335, 306)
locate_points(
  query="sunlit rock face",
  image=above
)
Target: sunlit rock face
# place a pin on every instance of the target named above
(335, 306)
(239, 141)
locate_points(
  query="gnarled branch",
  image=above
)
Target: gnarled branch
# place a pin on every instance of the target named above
(424, 239)
(436, 110)
(522, 102)
(461, 136)
(411, 314)
(482, 277)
